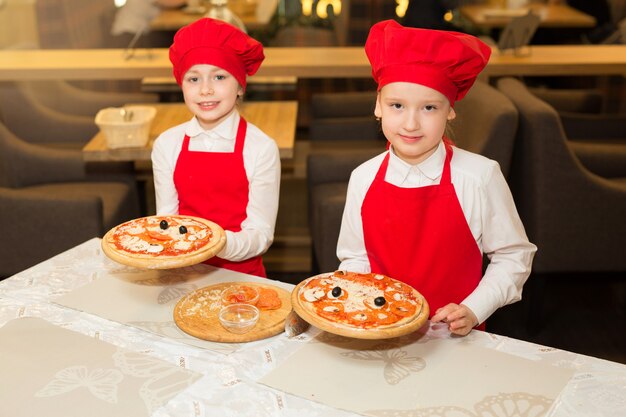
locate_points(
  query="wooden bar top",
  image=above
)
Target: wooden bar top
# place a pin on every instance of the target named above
(174, 19)
(94, 64)
(332, 62)
(276, 118)
(551, 16)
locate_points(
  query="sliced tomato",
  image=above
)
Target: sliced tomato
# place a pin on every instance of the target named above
(158, 235)
(330, 310)
(362, 318)
(268, 299)
(240, 294)
(384, 318)
(402, 308)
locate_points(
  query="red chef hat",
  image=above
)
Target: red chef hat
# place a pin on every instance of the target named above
(213, 42)
(448, 62)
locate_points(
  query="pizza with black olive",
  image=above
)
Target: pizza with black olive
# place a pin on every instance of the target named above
(363, 305)
(162, 242)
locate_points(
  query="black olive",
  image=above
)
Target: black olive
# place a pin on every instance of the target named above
(182, 230)
(163, 225)
(380, 301)
(336, 292)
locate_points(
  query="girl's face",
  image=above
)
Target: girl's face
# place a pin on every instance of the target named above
(413, 119)
(210, 93)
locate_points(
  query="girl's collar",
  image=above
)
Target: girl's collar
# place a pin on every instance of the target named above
(227, 129)
(431, 167)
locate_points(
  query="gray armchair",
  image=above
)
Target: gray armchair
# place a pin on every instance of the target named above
(344, 133)
(327, 183)
(575, 217)
(572, 100)
(345, 116)
(49, 202)
(597, 137)
(486, 123)
(64, 112)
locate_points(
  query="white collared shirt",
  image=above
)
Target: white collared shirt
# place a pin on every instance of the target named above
(262, 165)
(488, 207)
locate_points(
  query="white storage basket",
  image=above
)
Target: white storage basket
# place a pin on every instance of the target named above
(126, 127)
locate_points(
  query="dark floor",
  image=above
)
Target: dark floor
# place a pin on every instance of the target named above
(582, 313)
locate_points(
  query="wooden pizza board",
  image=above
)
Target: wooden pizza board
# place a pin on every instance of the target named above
(206, 325)
(377, 333)
(155, 262)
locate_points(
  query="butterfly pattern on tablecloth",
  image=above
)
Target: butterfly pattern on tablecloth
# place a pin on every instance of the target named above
(101, 383)
(398, 365)
(516, 404)
(163, 381)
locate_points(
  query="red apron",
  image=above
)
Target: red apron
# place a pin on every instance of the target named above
(420, 236)
(214, 186)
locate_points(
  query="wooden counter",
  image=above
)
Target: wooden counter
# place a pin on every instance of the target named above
(551, 16)
(276, 118)
(94, 64)
(174, 19)
(333, 62)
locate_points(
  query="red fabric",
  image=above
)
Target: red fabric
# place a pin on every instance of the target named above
(214, 186)
(210, 41)
(420, 236)
(446, 61)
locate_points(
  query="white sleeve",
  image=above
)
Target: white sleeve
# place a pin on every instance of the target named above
(351, 244)
(257, 230)
(505, 243)
(164, 157)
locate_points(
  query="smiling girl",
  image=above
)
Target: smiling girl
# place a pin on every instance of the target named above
(217, 166)
(424, 212)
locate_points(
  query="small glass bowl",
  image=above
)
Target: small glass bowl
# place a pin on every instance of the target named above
(239, 318)
(240, 294)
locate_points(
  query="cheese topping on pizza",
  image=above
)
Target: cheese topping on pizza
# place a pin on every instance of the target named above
(360, 300)
(161, 235)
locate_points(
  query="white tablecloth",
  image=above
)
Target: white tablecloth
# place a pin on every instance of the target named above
(229, 385)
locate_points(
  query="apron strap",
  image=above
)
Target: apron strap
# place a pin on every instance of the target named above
(445, 175)
(241, 135)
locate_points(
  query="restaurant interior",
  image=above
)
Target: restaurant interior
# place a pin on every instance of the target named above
(558, 131)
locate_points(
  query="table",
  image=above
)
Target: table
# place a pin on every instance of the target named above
(551, 15)
(107, 64)
(318, 62)
(174, 19)
(276, 118)
(228, 383)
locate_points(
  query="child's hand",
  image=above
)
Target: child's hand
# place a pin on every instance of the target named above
(459, 317)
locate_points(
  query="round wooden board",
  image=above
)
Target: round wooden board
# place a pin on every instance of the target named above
(205, 324)
(169, 262)
(342, 330)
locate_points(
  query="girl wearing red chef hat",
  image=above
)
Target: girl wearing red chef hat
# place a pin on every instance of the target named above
(217, 166)
(425, 211)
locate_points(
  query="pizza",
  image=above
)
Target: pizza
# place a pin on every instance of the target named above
(161, 242)
(363, 305)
